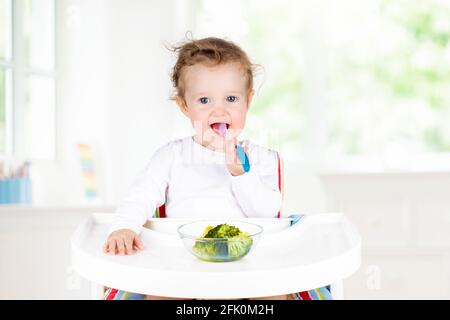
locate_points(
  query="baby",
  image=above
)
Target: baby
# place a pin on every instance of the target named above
(210, 174)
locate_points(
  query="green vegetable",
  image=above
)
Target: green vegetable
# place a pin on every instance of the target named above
(231, 243)
(222, 231)
(239, 246)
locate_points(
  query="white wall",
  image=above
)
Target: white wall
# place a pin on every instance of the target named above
(140, 113)
(36, 256)
(303, 190)
(404, 220)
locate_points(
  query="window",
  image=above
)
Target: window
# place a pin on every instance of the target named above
(346, 79)
(389, 76)
(27, 78)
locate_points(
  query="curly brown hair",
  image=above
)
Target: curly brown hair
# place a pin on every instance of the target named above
(209, 51)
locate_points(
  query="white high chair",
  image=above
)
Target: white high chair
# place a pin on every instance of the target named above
(317, 251)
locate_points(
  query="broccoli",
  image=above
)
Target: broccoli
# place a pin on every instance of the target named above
(222, 231)
(235, 244)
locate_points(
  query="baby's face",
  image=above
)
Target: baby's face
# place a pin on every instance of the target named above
(215, 95)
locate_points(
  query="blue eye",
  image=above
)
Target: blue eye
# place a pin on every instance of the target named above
(231, 98)
(203, 100)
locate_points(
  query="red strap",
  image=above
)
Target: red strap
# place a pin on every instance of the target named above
(112, 294)
(305, 295)
(279, 179)
(162, 211)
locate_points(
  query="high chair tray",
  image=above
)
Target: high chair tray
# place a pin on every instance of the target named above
(317, 251)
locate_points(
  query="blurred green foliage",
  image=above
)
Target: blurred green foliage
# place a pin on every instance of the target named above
(419, 22)
(398, 91)
(389, 83)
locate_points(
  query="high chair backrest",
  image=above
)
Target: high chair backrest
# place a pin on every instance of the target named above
(161, 211)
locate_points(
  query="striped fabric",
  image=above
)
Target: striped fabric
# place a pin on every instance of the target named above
(316, 294)
(115, 294)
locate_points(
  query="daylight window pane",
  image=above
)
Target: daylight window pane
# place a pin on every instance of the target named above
(389, 77)
(5, 29)
(40, 117)
(39, 34)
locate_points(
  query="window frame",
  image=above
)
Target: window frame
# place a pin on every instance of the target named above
(15, 108)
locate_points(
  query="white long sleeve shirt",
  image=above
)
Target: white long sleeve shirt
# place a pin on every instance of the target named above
(194, 181)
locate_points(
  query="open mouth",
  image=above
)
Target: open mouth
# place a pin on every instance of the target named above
(220, 128)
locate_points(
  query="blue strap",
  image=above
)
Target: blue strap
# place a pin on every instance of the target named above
(295, 218)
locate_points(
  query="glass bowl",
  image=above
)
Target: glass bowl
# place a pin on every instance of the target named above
(219, 249)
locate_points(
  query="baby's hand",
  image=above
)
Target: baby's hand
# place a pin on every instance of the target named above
(122, 241)
(233, 163)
